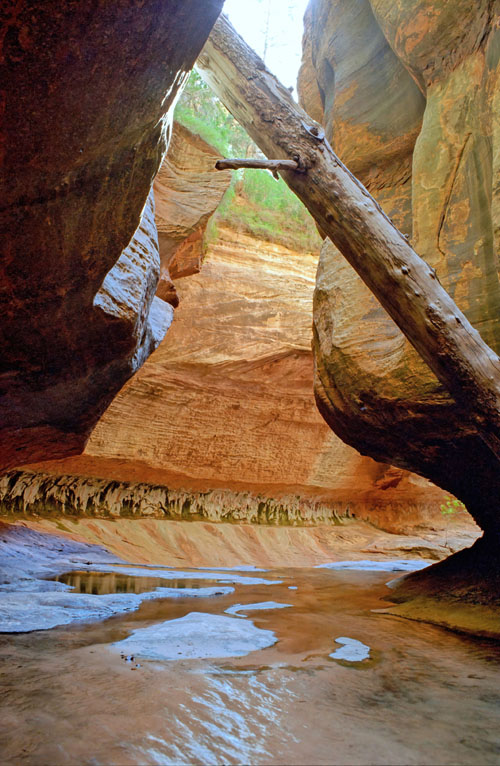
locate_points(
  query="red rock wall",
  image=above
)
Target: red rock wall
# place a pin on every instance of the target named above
(226, 402)
(409, 93)
(85, 91)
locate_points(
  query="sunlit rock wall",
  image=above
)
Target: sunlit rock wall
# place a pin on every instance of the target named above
(226, 403)
(409, 94)
(86, 91)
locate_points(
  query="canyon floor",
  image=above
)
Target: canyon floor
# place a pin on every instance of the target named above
(190, 642)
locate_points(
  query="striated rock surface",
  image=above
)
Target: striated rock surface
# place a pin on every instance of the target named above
(187, 190)
(225, 403)
(87, 90)
(410, 99)
(207, 544)
(28, 493)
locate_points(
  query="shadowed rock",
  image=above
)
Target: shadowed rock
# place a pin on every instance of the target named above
(414, 113)
(87, 90)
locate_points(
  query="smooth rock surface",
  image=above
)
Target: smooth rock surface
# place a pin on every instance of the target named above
(196, 636)
(351, 650)
(87, 91)
(409, 92)
(210, 546)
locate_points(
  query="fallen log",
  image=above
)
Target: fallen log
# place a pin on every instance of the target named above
(344, 210)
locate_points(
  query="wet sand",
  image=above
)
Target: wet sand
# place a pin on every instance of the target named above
(424, 695)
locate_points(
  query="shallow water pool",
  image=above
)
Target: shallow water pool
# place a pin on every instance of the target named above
(423, 695)
(102, 583)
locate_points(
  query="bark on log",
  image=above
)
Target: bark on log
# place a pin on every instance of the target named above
(344, 210)
(272, 165)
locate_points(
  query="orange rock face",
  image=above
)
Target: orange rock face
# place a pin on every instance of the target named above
(226, 403)
(410, 99)
(86, 91)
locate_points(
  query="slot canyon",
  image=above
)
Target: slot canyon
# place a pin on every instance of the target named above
(245, 453)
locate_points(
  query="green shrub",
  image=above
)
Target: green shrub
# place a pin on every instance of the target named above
(451, 506)
(201, 111)
(255, 203)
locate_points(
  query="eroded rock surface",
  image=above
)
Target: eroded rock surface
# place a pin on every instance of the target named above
(409, 94)
(226, 403)
(187, 190)
(228, 548)
(220, 424)
(87, 91)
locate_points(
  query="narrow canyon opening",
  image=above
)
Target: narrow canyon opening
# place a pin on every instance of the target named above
(249, 424)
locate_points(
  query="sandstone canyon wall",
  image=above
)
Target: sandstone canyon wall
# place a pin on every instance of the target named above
(220, 422)
(87, 90)
(408, 94)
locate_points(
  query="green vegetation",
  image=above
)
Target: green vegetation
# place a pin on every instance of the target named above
(449, 509)
(255, 203)
(201, 111)
(451, 506)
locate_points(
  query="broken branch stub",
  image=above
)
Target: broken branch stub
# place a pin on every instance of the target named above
(344, 210)
(272, 165)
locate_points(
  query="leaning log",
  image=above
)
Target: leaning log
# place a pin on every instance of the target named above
(404, 284)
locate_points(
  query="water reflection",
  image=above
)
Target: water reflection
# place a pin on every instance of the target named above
(425, 695)
(101, 583)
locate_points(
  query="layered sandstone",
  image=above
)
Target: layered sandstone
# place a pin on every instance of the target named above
(87, 91)
(220, 423)
(225, 403)
(186, 191)
(152, 541)
(409, 95)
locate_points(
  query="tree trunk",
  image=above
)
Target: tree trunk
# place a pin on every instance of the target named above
(404, 284)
